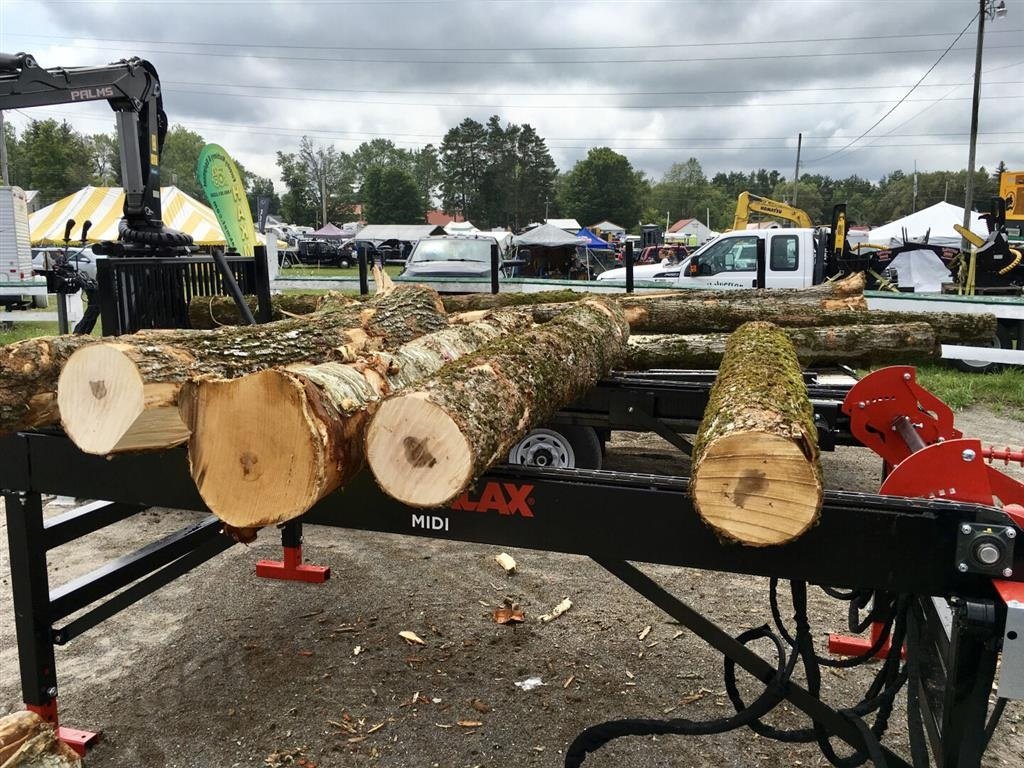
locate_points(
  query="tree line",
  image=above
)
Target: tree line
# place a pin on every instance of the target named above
(494, 174)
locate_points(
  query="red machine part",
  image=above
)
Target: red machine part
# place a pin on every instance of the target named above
(80, 741)
(912, 430)
(882, 400)
(291, 568)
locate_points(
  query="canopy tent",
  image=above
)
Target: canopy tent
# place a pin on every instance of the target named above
(937, 221)
(460, 228)
(593, 242)
(330, 232)
(406, 233)
(103, 206)
(547, 236)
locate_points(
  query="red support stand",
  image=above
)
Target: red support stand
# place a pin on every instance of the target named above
(80, 741)
(845, 645)
(291, 568)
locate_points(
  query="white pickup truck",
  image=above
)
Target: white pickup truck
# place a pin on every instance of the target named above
(794, 258)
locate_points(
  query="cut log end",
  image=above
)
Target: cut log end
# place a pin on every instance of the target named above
(255, 462)
(417, 452)
(106, 407)
(757, 488)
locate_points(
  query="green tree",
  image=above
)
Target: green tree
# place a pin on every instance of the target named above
(257, 187)
(51, 157)
(603, 186)
(681, 192)
(426, 169)
(378, 153)
(105, 155)
(180, 159)
(808, 198)
(319, 180)
(390, 195)
(463, 159)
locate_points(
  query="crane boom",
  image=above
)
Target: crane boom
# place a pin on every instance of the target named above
(747, 202)
(132, 89)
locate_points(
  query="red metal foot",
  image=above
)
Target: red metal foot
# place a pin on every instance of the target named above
(845, 645)
(80, 741)
(292, 568)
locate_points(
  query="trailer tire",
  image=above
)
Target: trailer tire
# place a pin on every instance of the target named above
(41, 302)
(565, 446)
(1001, 340)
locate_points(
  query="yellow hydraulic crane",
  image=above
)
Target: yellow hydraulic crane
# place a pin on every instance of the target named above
(747, 202)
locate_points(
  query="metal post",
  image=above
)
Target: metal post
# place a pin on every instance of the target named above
(629, 266)
(494, 267)
(796, 173)
(969, 191)
(364, 285)
(3, 151)
(264, 308)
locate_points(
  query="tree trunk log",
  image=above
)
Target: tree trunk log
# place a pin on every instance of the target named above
(122, 396)
(674, 314)
(28, 741)
(256, 466)
(756, 476)
(206, 312)
(857, 345)
(426, 445)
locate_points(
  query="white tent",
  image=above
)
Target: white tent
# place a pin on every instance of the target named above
(936, 220)
(548, 236)
(460, 228)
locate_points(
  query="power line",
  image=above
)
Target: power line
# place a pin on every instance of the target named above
(563, 94)
(568, 62)
(907, 94)
(493, 49)
(603, 107)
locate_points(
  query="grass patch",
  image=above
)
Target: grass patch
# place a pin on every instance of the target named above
(12, 332)
(1002, 391)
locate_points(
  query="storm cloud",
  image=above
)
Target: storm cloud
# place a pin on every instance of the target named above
(731, 83)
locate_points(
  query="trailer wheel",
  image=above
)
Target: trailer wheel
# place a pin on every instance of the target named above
(1001, 340)
(564, 446)
(41, 302)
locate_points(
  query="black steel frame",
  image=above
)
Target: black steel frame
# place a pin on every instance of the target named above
(862, 541)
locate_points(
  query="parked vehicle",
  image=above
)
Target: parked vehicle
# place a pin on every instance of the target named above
(82, 259)
(799, 258)
(450, 256)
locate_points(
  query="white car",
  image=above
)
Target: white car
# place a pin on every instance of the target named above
(82, 259)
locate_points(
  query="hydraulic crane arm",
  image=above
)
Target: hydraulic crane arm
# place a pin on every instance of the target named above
(132, 89)
(747, 202)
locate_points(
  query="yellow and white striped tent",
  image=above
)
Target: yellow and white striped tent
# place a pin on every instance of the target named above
(103, 206)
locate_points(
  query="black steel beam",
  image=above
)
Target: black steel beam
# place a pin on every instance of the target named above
(204, 551)
(29, 588)
(122, 571)
(84, 520)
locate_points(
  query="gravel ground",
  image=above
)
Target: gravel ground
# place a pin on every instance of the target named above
(224, 669)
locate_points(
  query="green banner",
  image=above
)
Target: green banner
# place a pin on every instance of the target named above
(219, 177)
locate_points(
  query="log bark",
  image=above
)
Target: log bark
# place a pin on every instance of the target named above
(674, 314)
(208, 312)
(123, 396)
(256, 466)
(28, 741)
(756, 475)
(426, 445)
(855, 345)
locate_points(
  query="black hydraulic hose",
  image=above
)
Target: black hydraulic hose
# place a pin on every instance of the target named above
(915, 723)
(993, 721)
(597, 736)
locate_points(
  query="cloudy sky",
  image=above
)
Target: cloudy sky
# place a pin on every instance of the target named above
(731, 82)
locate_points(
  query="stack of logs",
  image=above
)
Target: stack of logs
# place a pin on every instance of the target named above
(431, 391)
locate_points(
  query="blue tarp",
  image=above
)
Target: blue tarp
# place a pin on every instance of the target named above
(594, 242)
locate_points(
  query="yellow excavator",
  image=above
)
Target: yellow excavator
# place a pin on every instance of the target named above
(747, 203)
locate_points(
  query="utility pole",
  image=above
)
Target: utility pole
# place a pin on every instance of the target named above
(983, 10)
(3, 152)
(323, 199)
(796, 173)
(914, 206)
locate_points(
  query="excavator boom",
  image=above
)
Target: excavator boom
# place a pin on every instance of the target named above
(747, 203)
